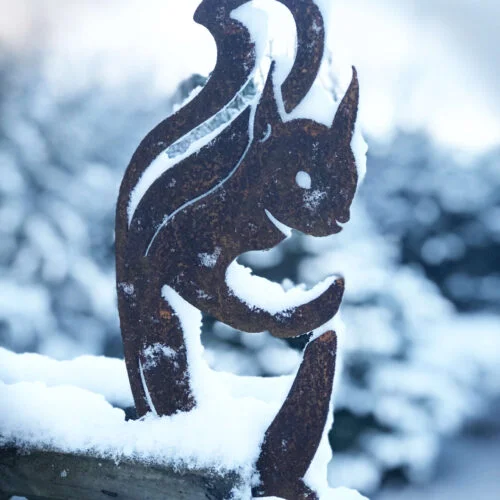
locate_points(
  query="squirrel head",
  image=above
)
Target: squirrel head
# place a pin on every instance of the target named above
(309, 173)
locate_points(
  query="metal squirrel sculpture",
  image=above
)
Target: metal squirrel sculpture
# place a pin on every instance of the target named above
(187, 225)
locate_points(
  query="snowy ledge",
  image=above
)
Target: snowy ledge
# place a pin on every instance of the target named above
(59, 428)
(57, 475)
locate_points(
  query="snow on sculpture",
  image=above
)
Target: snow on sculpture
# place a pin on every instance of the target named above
(183, 219)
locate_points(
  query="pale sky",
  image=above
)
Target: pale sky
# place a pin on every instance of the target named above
(431, 65)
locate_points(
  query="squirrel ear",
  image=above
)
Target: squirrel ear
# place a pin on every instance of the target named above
(267, 109)
(342, 128)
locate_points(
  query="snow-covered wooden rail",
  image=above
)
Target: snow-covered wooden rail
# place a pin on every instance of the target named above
(44, 475)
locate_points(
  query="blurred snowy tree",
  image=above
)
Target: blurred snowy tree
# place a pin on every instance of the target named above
(62, 158)
(445, 214)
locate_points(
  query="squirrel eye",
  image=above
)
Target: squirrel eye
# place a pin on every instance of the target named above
(303, 180)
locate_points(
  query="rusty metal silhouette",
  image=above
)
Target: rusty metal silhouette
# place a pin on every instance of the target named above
(223, 201)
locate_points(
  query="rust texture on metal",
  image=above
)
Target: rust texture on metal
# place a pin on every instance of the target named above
(310, 47)
(286, 452)
(235, 63)
(229, 197)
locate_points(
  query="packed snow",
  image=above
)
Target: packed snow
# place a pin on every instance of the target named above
(96, 374)
(67, 406)
(261, 293)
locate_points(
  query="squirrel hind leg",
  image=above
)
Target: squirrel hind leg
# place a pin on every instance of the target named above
(292, 439)
(163, 363)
